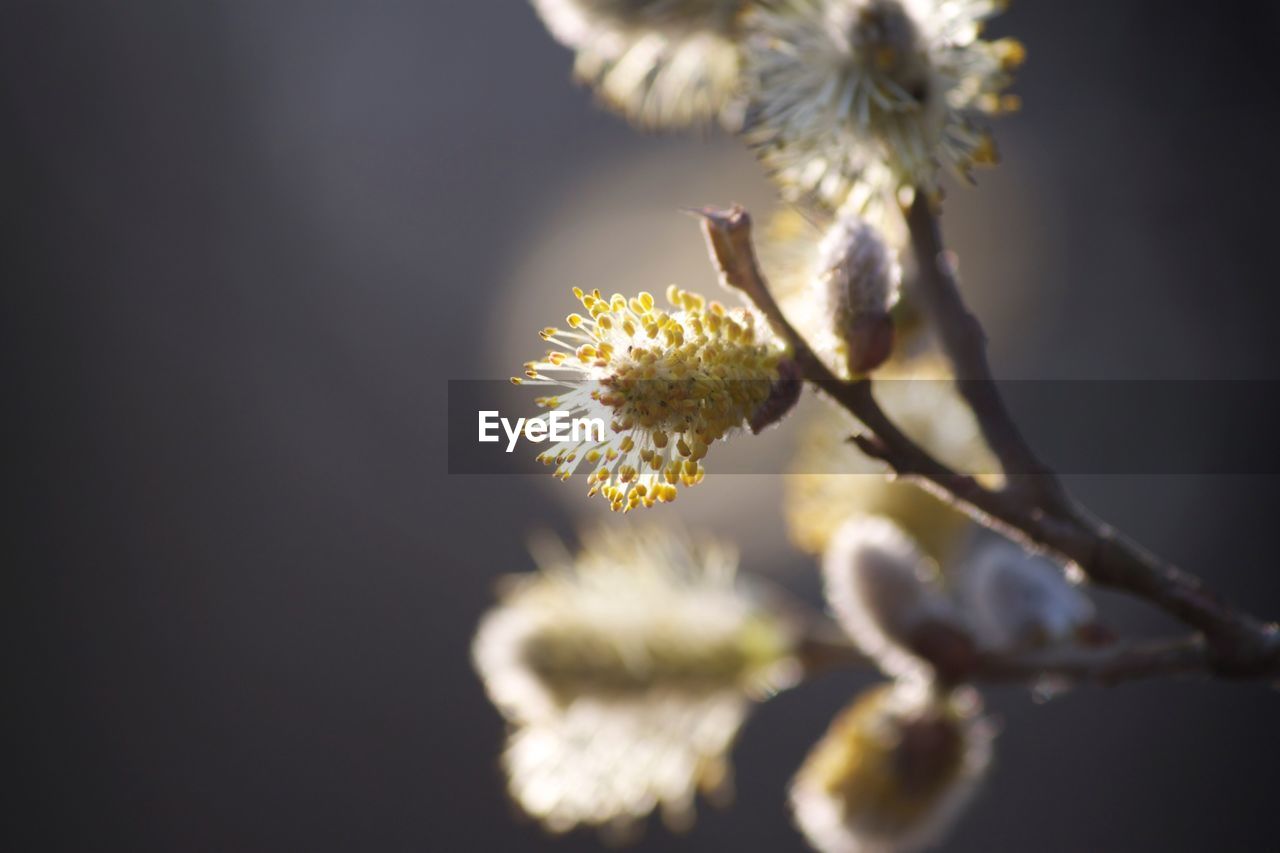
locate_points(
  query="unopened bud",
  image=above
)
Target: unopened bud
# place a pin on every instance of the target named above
(860, 279)
(882, 589)
(893, 772)
(1016, 601)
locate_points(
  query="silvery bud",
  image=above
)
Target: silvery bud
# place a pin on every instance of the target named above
(1016, 601)
(884, 592)
(860, 280)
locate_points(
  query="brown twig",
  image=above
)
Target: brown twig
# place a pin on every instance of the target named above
(1236, 644)
(1103, 666)
(964, 342)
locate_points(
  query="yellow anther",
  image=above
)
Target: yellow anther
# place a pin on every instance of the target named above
(1011, 52)
(985, 154)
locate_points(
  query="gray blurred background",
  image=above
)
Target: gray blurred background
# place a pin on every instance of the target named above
(248, 243)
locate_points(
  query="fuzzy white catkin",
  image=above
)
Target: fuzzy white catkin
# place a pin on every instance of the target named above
(861, 273)
(625, 672)
(876, 580)
(1014, 600)
(661, 63)
(859, 282)
(852, 98)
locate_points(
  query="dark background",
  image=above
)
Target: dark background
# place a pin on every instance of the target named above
(247, 243)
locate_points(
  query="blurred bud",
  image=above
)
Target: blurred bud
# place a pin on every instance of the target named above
(893, 772)
(884, 592)
(663, 64)
(1016, 601)
(860, 281)
(625, 672)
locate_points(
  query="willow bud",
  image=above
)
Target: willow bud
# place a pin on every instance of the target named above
(882, 589)
(860, 280)
(1016, 601)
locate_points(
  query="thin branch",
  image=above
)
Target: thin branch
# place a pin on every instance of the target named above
(1239, 641)
(964, 342)
(1238, 645)
(1104, 666)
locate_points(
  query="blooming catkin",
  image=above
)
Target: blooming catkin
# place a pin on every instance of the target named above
(662, 63)
(626, 672)
(877, 93)
(669, 384)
